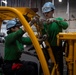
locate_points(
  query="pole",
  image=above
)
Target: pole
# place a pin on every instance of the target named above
(68, 8)
(53, 1)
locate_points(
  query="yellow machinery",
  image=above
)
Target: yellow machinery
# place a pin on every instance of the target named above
(54, 70)
(7, 13)
(70, 51)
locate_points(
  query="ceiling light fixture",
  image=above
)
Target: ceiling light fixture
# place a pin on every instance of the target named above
(60, 0)
(4, 2)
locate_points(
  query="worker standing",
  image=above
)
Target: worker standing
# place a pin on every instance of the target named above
(52, 27)
(14, 46)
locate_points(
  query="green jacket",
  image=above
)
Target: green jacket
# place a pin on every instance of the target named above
(14, 45)
(53, 29)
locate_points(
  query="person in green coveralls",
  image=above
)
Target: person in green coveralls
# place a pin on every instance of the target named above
(14, 46)
(52, 27)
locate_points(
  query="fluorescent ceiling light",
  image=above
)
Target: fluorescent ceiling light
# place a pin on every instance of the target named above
(4, 2)
(60, 0)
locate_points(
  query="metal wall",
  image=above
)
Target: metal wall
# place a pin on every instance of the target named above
(24, 3)
(39, 3)
(62, 9)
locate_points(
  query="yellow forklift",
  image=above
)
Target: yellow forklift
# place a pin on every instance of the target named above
(7, 13)
(21, 13)
(70, 50)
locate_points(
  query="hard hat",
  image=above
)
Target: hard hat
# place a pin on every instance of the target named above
(12, 23)
(48, 6)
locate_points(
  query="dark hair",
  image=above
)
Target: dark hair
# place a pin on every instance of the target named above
(9, 31)
(52, 9)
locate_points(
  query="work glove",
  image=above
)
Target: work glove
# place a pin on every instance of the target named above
(50, 20)
(34, 20)
(45, 37)
(42, 38)
(23, 28)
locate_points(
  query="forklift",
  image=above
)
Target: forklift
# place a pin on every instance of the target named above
(26, 16)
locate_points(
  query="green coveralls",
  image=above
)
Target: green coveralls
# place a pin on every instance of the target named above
(14, 45)
(52, 30)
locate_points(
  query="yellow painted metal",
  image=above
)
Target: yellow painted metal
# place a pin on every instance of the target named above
(31, 34)
(55, 70)
(1, 23)
(24, 11)
(71, 58)
(50, 53)
(67, 36)
(74, 69)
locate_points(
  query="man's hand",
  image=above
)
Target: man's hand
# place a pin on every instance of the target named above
(50, 20)
(34, 20)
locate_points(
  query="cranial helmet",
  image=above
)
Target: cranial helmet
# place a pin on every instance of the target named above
(12, 23)
(48, 6)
